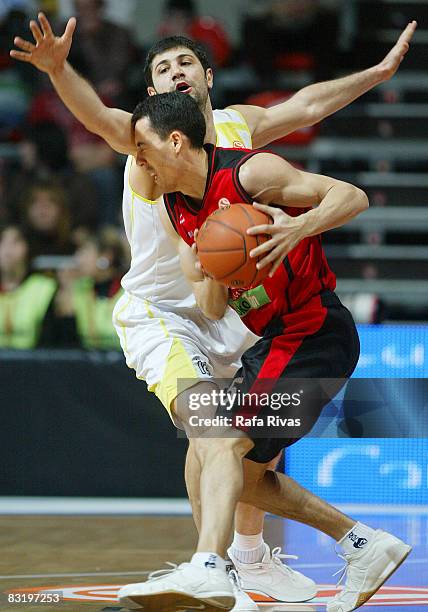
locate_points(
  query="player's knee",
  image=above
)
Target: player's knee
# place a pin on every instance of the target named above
(208, 448)
(194, 408)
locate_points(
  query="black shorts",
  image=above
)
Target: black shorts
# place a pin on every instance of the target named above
(317, 342)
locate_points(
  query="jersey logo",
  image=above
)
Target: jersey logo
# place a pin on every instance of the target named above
(237, 144)
(202, 365)
(250, 300)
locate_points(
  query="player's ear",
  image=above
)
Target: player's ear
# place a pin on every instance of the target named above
(210, 78)
(151, 91)
(177, 141)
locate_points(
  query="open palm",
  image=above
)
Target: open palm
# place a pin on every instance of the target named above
(48, 52)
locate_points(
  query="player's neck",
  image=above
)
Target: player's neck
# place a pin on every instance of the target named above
(211, 134)
(194, 176)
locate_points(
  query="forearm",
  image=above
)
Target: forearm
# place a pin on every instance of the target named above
(78, 95)
(338, 207)
(211, 297)
(323, 99)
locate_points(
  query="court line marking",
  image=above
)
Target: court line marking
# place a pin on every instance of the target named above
(145, 573)
(156, 506)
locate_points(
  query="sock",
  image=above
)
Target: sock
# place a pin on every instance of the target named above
(248, 549)
(357, 539)
(208, 559)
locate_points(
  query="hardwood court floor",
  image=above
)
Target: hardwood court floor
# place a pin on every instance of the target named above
(92, 556)
(39, 549)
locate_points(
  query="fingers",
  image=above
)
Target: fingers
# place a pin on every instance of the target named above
(38, 36)
(25, 45)
(20, 55)
(267, 246)
(46, 26)
(267, 209)
(274, 258)
(70, 27)
(276, 265)
(406, 36)
(262, 229)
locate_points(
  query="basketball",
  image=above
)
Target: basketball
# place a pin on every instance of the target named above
(224, 246)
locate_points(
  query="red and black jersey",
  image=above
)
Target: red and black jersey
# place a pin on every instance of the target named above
(305, 272)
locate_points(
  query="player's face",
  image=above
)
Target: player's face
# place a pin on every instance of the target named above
(157, 156)
(180, 70)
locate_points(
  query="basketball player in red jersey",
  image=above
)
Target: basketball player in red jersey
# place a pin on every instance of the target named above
(305, 332)
(48, 53)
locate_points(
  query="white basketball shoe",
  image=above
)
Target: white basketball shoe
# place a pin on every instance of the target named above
(244, 603)
(367, 570)
(186, 587)
(272, 578)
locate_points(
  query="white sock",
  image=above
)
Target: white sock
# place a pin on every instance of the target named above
(208, 559)
(357, 539)
(248, 549)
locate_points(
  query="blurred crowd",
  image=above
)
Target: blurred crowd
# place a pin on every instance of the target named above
(62, 250)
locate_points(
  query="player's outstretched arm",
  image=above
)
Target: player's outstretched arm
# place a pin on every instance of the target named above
(49, 53)
(273, 180)
(316, 102)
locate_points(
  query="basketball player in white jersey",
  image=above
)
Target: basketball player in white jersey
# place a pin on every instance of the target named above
(163, 335)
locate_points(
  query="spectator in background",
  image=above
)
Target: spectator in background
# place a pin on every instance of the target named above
(46, 217)
(25, 298)
(88, 153)
(291, 35)
(15, 81)
(91, 298)
(104, 50)
(181, 19)
(44, 157)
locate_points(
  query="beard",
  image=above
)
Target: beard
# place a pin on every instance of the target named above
(201, 98)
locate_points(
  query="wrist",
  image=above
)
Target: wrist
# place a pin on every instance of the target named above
(379, 73)
(59, 70)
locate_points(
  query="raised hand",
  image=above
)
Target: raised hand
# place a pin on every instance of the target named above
(48, 52)
(285, 233)
(391, 62)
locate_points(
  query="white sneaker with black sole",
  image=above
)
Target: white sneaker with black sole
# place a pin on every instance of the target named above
(272, 578)
(184, 587)
(367, 570)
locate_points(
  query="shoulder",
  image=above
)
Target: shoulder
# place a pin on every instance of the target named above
(249, 113)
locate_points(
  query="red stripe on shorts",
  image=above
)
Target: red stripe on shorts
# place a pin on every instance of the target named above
(297, 326)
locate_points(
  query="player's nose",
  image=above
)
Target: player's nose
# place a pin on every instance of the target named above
(177, 72)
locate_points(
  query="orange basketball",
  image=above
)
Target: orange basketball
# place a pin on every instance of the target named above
(224, 245)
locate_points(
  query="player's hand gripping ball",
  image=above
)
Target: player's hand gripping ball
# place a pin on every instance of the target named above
(224, 246)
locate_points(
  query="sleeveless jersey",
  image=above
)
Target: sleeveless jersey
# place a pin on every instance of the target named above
(305, 272)
(155, 274)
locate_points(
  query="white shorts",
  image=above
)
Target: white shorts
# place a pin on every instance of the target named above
(166, 346)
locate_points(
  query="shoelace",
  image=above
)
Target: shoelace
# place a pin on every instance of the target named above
(343, 569)
(235, 579)
(348, 572)
(277, 557)
(163, 572)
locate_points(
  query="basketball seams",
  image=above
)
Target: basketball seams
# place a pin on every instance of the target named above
(236, 224)
(256, 236)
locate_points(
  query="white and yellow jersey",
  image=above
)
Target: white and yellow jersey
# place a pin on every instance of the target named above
(155, 274)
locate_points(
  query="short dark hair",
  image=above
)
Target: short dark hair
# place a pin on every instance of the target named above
(173, 111)
(173, 42)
